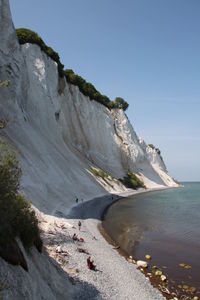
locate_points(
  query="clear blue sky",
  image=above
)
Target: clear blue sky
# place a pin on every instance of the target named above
(146, 51)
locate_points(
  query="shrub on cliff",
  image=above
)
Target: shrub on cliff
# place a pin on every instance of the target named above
(17, 218)
(121, 103)
(89, 90)
(4, 83)
(132, 181)
(28, 36)
(157, 149)
(100, 173)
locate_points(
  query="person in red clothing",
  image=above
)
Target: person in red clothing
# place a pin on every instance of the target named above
(88, 262)
(92, 266)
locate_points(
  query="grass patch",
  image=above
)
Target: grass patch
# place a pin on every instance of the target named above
(4, 83)
(132, 181)
(100, 173)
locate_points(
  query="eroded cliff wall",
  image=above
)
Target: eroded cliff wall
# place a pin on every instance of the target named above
(59, 133)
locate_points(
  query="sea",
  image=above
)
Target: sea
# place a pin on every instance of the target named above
(165, 225)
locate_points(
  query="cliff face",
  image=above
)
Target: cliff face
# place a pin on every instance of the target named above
(59, 133)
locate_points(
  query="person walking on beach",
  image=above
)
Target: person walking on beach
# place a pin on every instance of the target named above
(88, 262)
(76, 200)
(79, 225)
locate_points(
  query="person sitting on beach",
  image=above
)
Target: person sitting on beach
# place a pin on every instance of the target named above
(90, 264)
(59, 249)
(75, 237)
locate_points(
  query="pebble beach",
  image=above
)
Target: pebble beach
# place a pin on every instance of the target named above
(116, 278)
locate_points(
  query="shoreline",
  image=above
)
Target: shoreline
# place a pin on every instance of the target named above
(117, 278)
(133, 284)
(154, 279)
(168, 288)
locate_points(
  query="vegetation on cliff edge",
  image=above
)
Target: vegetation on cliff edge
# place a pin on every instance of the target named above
(28, 36)
(153, 147)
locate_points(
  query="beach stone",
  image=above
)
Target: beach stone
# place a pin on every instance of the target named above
(192, 289)
(141, 263)
(163, 277)
(185, 286)
(154, 267)
(148, 256)
(158, 273)
(182, 265)
(133, 261)
(187, 267)
(195, 298)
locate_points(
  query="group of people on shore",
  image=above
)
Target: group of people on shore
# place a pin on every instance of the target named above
(90, 263)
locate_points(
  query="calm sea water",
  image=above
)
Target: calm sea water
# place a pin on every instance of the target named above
(164, 224)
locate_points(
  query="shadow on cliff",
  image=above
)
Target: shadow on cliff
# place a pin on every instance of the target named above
(43, 269)
(92, 209)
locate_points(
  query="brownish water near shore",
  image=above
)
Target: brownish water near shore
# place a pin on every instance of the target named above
(166, 225)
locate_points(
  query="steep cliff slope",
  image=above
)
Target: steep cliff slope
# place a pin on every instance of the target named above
(59, 133)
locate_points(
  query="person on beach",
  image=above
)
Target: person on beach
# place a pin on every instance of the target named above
(59, 249)
(75, 237)
(79, 225)
(76, 200)
(90, 264)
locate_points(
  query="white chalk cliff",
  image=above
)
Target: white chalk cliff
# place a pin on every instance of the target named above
(59, 134)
